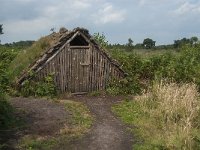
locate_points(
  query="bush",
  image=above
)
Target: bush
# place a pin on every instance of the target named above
(6, 114)
(182, 67)
(41, 88)
(6, 111)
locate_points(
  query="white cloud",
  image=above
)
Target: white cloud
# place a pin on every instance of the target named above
(24, 1)
(81, 4)
(27, 26)
(66, 9)
(187, 7)
(108, 14)
(156, 3)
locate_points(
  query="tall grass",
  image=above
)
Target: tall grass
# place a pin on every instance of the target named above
(166, 116)
(174, 108)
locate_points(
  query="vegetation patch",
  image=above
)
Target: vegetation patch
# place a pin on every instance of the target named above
(165, 117)
(43, 88)
(143, 71)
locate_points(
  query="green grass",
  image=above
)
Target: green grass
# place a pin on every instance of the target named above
(79, 124)
(81, 118)
(166, 117)
(27, 56)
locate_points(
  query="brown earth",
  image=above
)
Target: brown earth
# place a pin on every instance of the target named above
(108, 132)
(45, 118)
(38, 117)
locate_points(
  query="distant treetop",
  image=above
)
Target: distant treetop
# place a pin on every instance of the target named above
(1, 28)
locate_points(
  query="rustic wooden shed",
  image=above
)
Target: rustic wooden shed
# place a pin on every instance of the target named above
(78, 63)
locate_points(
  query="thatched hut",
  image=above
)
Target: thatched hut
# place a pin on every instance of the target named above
(78, 63)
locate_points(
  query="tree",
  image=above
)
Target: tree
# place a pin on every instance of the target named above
(129, 45)
(130, 42)
(149, 43)
(185, 41)
(100, 39)
(1, 29)
(177, 43)
(194, 40)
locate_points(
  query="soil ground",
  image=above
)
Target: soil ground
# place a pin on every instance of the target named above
(45, 118)
(108, 132)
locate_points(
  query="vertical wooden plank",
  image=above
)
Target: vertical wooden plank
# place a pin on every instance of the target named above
(59, 72)
(77, 66)
(73, 70)
(95, 70)
(63, 69)
(84, 70)
(87, 67)
(98, 71)
(102, 71)
(80, 70)
(53, 71)
(89, 74)
(92, 72)
(104, 74)
(67, 68)
(70, 69)
(77, 71)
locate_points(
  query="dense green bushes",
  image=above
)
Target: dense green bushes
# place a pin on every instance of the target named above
(42, 88)
(180, 67)
(6, 56)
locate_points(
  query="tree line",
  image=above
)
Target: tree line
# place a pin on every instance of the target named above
(147, 43)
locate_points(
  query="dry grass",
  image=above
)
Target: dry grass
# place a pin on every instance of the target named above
(166, 116)
(175, 108)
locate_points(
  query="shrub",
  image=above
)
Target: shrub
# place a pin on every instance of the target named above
(182, 67)
(6, 111)
(45, 87)
(6, 114)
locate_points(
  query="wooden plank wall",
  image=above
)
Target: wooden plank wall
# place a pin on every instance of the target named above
(80, 69)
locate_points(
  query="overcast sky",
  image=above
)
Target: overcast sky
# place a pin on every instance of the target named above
(162, 20)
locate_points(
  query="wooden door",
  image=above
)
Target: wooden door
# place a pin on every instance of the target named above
(80, 67)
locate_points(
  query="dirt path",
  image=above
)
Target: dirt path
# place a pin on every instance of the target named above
(45, 118)
(108, 133)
